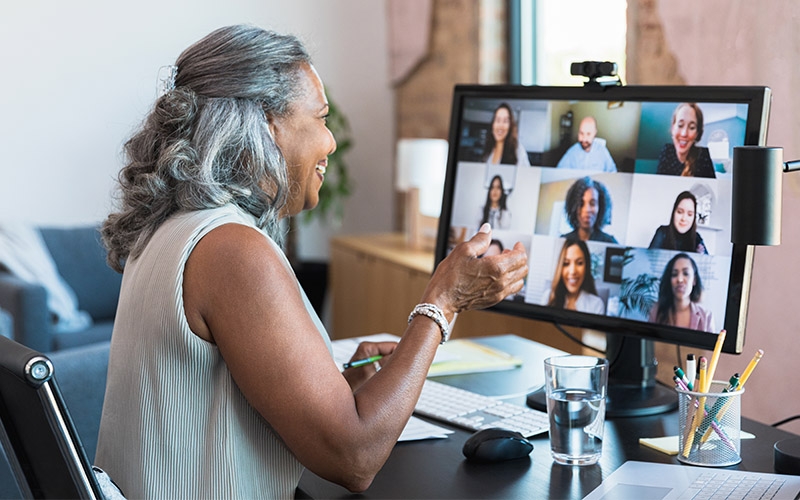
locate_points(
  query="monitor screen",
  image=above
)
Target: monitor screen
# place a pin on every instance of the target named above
(621, 197)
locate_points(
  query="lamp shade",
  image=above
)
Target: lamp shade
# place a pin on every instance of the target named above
(421, 163)
(757, 195)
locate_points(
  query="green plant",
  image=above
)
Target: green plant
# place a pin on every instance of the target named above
(338, 184)
(637, 295)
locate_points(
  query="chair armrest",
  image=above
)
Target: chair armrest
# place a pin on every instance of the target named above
(27, 304)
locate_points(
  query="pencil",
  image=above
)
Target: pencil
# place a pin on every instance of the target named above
(712, 365)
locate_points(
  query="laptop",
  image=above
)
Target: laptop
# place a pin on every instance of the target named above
(643, 480)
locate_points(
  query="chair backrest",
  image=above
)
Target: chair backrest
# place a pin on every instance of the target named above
(36, 431)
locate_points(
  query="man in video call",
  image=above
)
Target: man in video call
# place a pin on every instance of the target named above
(590, 152)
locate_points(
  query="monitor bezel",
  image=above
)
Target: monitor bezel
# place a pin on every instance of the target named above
(758, 99)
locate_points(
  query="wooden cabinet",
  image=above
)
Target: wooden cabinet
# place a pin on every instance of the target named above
(376, 280)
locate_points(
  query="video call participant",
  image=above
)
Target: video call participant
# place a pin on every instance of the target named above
(681, 232)
(495, 248)
(206, 398)
(573, 284)
(495, 211)
(683, 156)
(590, 152)
(588, 207)
(679, 294)
(502, 144)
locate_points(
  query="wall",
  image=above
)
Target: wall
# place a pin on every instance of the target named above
(78, 76)
(738, 42)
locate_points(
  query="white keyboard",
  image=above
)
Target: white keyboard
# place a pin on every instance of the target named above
(475, 411)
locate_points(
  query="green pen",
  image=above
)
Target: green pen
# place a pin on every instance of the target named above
(361, 362)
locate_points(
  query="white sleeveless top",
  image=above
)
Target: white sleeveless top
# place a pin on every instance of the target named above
(174, 424)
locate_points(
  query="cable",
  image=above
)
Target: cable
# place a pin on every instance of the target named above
(785, 421)
(576, 339)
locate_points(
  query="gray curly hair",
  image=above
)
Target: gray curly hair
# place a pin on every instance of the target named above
(207, 143)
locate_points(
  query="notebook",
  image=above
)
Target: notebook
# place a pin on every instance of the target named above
(639, 480)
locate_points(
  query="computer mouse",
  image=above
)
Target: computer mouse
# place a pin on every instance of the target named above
(496, 445)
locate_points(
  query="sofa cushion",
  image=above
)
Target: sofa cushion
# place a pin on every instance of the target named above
(99, 331)
(81, 260)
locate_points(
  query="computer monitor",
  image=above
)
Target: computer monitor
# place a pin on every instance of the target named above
(629, 235)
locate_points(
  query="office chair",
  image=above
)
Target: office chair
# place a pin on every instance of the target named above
(39, 438)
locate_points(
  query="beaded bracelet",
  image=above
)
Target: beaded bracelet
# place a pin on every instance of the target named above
(435, 313)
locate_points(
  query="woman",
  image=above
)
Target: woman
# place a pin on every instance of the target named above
(681, 233)
(678, 295)
(588, 208)
(494, 210)
(573, 284)
(502, 144)
(221, 381)
(683, 156)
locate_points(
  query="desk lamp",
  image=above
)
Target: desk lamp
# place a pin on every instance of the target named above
(756, 220)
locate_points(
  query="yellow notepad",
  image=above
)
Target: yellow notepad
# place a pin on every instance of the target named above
(460, 356)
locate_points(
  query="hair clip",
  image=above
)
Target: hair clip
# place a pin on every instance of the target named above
(166, 78)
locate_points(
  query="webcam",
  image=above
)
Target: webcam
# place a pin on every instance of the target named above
(593, 69)
(600, 73)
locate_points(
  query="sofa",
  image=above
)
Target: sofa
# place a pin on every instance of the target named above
(79, 257)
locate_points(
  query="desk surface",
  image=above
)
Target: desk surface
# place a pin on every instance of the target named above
(437, 468)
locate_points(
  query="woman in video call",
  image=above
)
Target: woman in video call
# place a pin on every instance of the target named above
(494, 210)
(502, 144)
(678, 296)
(573, 284)
(681, 233)
(683, 156)
(588, 207)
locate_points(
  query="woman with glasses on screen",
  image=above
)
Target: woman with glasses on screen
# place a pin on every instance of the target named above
(679, 294)
(573, 284)
(681, 233)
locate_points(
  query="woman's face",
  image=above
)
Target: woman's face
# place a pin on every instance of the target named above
(587, 214)
(501, 125)
(305, 141)
(496, 191)
(683, 217)
(573, 269)
(682, 279)
(684, 131)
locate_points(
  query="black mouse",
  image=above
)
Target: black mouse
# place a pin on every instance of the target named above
(496, 445)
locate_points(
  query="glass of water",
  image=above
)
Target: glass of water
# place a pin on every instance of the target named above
(576, 407)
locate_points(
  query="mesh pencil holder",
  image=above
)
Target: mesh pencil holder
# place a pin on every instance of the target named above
(710, 436)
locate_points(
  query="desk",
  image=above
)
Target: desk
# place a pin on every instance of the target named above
(437, 469)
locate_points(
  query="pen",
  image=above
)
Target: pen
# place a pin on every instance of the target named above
(713, 424)
(679, 373)
(715, 409)
(691, 367)
(712, 365)
(361, 362)
(701, 404)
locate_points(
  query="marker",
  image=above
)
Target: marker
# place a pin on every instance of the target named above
(691, 367)
(684, 378)
(361, 362)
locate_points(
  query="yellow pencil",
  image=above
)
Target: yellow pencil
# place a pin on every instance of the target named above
(702, 367)
(745, 375)
(750, 367)
(712, 365)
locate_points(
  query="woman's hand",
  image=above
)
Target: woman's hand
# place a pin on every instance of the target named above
(464, 280)
(360, 374)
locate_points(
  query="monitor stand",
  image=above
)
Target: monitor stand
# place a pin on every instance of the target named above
(632, 387)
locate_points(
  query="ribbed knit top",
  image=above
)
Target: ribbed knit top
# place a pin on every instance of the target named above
(174, 424)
